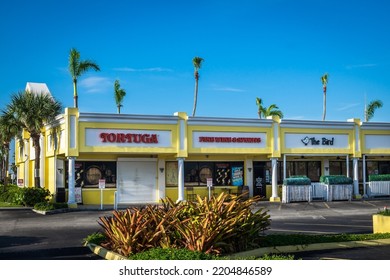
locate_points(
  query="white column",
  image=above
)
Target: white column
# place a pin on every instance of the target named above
(347, 164)
(284, 167)
(356, 177)
(180, 178)
(161, 178)
(274, 196)
(249, 176)
(364, 176)
(71, 180)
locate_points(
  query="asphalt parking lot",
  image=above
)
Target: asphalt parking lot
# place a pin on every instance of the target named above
(26, 235)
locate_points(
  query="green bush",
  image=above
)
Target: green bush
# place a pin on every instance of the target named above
(172, 254)
(47, 206)
(297, 181)
(10, 194)
(96, 238)
(31, 196)
(380, 177)
(336, 180)
(223, 224)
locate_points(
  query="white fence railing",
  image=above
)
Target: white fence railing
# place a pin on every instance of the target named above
(292, 193)
(378, 188)
(316, 191)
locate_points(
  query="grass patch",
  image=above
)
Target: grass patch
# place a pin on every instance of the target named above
(303, 239)
(8, 204)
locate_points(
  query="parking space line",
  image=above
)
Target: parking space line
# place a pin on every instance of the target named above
(326, 205)
(369, 203)
(332, 225)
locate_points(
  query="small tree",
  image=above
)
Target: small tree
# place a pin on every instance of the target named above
(371, 108)
(324, 81)
(265, 112)
(197, 62)
(32, 111)
(78, 67)
(119, 95)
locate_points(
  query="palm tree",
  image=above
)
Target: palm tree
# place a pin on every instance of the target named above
(265, 112)
(324, 80)
(370, 109)
(197, 62)
(119, 94)
(78, 67)
(33, 111)
(8, 130)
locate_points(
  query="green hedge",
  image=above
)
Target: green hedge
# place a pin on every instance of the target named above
(297, 181)
(381, 177)
(336, 180)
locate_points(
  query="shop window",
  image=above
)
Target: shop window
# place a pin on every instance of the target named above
(311, 169)
(222, 173)
(88, 174)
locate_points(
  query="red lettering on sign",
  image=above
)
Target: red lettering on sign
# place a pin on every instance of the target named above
(230, 139)
(129, 138)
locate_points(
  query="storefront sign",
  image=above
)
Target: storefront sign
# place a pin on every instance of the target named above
(204, 139)
(377, 141)
(230, 139)
(316, 141)
(128, 138)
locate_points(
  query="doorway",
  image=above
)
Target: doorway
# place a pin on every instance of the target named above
(259, 178)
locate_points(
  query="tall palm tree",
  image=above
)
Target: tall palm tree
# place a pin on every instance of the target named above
(197, 62)
(324, 81)
(265, 112)
(370, 109)
(8, 130)
(78, 67)
(119, 94)
(33, 111)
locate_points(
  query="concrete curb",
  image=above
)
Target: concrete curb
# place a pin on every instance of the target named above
(109, 255)
(104, 253)
(312, 247)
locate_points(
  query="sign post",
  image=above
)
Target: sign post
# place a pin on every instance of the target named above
(102, 185)
(209, 185)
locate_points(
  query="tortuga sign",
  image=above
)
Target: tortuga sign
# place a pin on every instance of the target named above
(128, 138)
(132, 138)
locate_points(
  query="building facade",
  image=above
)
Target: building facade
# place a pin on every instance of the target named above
(93, 158)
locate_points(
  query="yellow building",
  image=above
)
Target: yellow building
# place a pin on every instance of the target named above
(91, 157)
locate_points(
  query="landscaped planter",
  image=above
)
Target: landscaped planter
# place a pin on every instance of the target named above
(379, 185)
(380, 223)
(296, 189)
(339, 187)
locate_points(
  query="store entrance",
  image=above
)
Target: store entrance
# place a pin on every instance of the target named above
(259, 183)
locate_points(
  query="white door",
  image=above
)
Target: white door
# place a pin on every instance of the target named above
(137, 180)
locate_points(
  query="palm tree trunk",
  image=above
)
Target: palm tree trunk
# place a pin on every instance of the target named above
(75, 96)
(6, 165)
(195, 95)
(324, 106)
(119, 109)
(37, 147)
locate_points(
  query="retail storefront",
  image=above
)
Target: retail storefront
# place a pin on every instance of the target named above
(137, 159)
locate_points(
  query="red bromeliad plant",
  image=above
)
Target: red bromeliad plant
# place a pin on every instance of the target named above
(223, 224)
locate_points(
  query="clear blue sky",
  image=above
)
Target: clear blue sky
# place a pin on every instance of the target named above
(273, 49)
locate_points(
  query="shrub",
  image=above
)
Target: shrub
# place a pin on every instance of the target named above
(10, 194)
(380, 177)
(96, 238)
(220, 225)
(336, 180)
(47, 206)
(172, 254)
(297, 181)
(31, 196)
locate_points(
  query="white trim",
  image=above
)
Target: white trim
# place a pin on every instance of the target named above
(136, 159)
